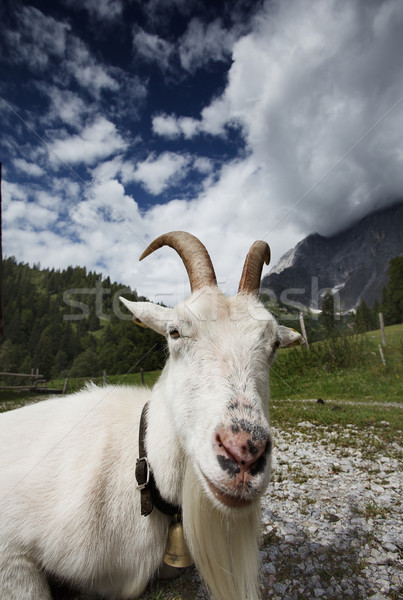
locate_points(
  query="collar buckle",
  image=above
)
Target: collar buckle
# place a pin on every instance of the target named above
(143, 472)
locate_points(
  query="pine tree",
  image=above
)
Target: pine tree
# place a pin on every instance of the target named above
(328, 316)
(363, 318)
(392, 299)
(43, 356)
(93, 320)
(60, 364)
(85, 365)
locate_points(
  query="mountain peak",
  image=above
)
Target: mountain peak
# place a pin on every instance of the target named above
(352, 263)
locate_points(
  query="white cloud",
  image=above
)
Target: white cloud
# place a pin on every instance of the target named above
(202, 43)
(38, 39)
(102, 10)
(32, 207)
(28, 215)
(305, 86)
(189, 127)
(117, 168)
(28, 167)
(166, 126)
(213, 121)
(97, 141)
(157, 173)
(152, 48)
(216, 116)
(109, 195)
(62, 250)
(65, 106)
(90, 74)
(63, 227)
(108, 169)
(172, 127)
(203, 164)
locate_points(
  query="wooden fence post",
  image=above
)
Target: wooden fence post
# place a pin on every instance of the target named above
(302, 323)
(383, 337)
(382, 356)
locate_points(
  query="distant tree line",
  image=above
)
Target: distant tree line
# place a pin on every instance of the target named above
(391, 305)
(70, 323)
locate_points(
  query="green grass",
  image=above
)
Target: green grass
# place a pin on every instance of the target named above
(380, 424)
(358, 384)
(348, 375)
(347, 368)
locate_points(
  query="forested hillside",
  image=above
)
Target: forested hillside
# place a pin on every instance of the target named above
(70, 323)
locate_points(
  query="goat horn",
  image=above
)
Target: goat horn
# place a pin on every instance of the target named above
(193, 254)
(252, 269)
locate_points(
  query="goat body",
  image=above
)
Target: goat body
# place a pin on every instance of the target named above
(70, 506)
(69, 498)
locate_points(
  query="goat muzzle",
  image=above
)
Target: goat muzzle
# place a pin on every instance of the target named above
(233, 501)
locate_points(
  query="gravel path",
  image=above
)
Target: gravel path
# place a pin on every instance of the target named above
(332, 520)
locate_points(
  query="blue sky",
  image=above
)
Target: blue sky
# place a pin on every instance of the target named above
(234, 120)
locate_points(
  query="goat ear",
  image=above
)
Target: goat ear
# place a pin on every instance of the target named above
(290, 337)
(147, 314)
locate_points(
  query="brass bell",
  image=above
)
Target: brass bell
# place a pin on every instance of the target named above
(176, 551)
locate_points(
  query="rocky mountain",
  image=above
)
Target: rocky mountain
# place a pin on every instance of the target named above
(352, 263)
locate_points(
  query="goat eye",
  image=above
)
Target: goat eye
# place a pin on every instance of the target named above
(174, 334)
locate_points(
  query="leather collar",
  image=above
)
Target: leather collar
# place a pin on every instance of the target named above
(150, 495)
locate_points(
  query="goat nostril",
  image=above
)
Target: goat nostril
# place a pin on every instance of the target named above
(218, 440)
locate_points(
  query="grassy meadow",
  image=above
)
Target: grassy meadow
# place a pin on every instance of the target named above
(342, 381)
(346, 367)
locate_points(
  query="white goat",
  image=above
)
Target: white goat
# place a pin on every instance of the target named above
(69, 502)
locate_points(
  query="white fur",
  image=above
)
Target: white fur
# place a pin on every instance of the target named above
(224, 543)
(68, 496)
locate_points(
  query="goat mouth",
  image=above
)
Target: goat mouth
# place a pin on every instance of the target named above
(227, 499)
